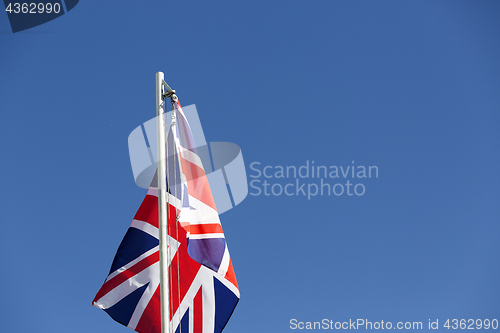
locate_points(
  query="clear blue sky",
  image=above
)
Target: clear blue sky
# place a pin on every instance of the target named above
(411, 87)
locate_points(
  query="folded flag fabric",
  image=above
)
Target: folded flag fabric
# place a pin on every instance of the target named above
(203, 291)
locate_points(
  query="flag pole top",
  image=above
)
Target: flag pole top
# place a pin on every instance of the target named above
(165, 89)
(169, 92)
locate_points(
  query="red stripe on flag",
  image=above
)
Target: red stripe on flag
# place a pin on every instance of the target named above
(148, 212)
(230, 274)
(212, 228)
(150, 321)
(187, 270)
(197, 183)
(127, 274)
(198, 312)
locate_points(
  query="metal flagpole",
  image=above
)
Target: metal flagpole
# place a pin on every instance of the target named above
(162, 203)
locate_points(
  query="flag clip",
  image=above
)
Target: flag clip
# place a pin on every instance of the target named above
(169, 94)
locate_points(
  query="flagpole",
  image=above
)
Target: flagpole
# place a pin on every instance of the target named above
(162, 203)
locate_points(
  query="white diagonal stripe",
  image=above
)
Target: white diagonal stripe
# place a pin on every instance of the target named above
(146, 227)
(132, 263)
(205, 236)
(146, 297)
(224, 265)
(128, 286)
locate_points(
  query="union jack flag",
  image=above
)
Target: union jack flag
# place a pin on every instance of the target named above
(203, 291)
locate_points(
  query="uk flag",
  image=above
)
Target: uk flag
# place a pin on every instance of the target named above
(203, 291)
